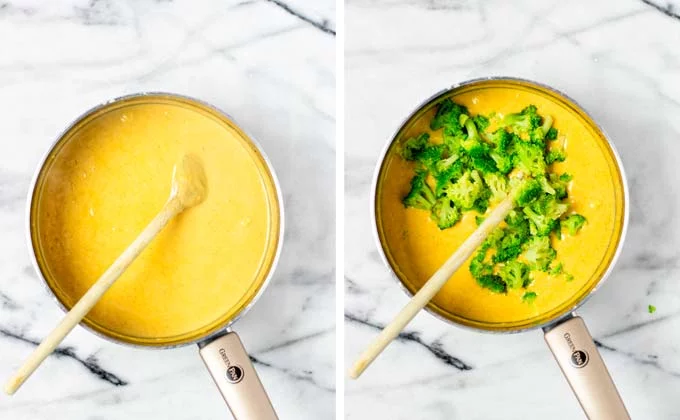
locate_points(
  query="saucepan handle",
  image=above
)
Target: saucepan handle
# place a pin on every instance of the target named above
(234, 374)
(575, 352)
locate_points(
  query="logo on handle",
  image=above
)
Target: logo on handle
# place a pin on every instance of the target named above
(234, 372)
(579, 358)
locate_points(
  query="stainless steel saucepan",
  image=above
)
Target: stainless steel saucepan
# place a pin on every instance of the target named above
(565, 333)
(219, 346)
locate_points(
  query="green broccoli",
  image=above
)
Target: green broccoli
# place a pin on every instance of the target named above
(555, 155)
(481, 122)
(573, 223)
(481, 159)
(538, 253)
(546, 185)
(420, 196)
(529, 297)
(413, 146)
(447, 171)
(445, 213)
(466, 190)
(547, 125)
(448, 115)
(492, 282)
(526, 192)
(529, 158)
(556, 270)
(551, 134)
(498, 185)
(559, 184)
(503, 153)
(515, 274)
(523, 122)
(430, 156)
(544, 213)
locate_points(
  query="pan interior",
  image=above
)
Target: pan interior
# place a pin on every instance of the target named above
(414, 247)
(106, 178)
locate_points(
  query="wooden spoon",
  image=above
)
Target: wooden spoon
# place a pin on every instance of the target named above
(432, 286)
(188, 189)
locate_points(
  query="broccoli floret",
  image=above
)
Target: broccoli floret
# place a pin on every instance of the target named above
(420, 196)
(478, 266)
(545, 185)
(523, 122)
(557, 270)
(559, 185)
(529, 158)
(529, 297)
(481, 159)
(472, 139)
(479, 220)
(509, 246)
(544, 213)
(502, 154)
(538, 253)
(515, 218)
(492, 282)
(482, 202)
(447, 171)
(445, 213)
(555, 155)
(413, 146)
(514, 274)
(481, 122)
(466, 190)
(448, 115)
(498, 185)
(573, 223)
(527, 191)
(551, 134)
(430, 156)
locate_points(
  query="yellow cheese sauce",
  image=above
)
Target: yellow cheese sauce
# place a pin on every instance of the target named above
(416, 248)
(111, 176)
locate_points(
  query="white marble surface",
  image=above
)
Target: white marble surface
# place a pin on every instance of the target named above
(621, 61)
(274, 72)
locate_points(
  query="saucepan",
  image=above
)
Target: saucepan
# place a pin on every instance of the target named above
(219, 346)
(565, 332)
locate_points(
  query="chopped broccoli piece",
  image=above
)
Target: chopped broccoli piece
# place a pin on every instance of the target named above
(430, 156)
(420, 196)
(651, 309)
(545, 185)
(413, 146)
(481, 159)
(555, 155)
(445, 213)
(538, 253)
(529, 297)
(523, 122)
(551, 134)
(466, 190)
(556, 270)
(529, 158)
(498, 185)
(527, 191)
(479, 220)
(573, 223)
(514, 274)
(448, 115)
(543, 214)
(447, 171)
(559, 185)
(492, 282)
(481, 122)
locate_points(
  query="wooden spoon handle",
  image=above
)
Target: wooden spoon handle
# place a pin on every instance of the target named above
(92, 296)
(431, 287)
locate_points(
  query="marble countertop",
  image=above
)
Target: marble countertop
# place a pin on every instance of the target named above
(271, 65)
(621, 61)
